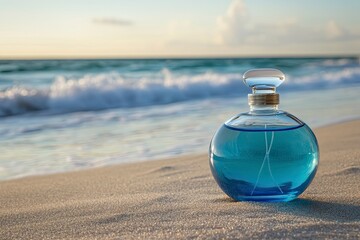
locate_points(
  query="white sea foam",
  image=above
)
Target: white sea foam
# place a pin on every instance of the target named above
(111, 90)
(337, 62)
(344, 75)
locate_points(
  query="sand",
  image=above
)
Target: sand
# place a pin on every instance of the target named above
(178, 198)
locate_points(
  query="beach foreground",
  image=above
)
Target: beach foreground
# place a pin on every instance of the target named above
(178, 198)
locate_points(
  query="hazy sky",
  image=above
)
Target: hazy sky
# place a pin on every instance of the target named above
(121, 28)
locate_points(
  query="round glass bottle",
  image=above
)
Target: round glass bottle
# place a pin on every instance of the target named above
(265, 154)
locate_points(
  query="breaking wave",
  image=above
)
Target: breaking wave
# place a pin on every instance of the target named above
(111, 90)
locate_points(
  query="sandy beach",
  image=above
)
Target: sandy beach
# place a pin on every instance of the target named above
(178, 198)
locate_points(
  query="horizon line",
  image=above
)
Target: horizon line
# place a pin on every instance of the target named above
(55, 57)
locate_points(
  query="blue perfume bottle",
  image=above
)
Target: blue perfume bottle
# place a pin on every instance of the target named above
(265, 154)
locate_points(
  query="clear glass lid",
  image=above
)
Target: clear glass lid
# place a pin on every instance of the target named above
(264, 114)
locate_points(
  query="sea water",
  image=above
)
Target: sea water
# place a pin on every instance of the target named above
(66, 115)
(271, 165)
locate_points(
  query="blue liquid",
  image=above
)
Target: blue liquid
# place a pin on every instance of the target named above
(270, 165)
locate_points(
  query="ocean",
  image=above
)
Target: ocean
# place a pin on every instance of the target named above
(65, 115)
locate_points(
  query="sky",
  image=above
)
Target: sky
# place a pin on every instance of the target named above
(159, 28)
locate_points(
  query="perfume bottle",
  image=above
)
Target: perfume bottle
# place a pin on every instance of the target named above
(265, 154)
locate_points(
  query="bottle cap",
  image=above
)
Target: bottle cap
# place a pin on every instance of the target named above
(263, 82)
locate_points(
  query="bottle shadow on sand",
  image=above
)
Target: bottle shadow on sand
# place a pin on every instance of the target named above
(309, 208)
(331, 211)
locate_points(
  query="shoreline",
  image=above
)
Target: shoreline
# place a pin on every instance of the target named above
(178, 198)
(168, 158)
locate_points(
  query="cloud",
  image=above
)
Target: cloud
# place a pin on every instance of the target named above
(333, 30)
(236, 28)
(113, 21)
(232, 26)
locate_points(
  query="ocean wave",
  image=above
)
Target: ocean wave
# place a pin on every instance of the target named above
(8, 67)
(18, 66)
(320, 79)
(341, 62)
(18, 100)
(111, 90)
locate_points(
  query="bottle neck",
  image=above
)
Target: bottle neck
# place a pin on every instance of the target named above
(263, 108)
(264, 102)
